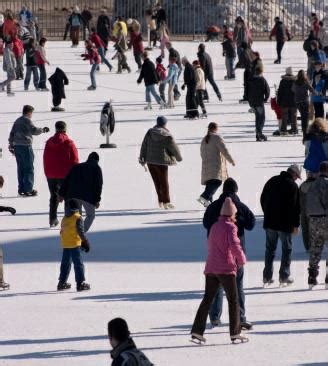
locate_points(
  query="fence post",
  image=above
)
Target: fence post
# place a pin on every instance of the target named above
(194, 18)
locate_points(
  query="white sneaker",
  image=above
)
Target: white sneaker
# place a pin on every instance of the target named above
(169, 206)
(203, 201)
(160, 204)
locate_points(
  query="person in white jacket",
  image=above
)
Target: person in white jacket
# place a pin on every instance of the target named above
(9, 66)
(200, 86)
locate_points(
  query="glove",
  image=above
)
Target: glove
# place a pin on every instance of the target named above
(46, 129)
(85, 246)
(183, 87)
(11, 210)
(11, 149)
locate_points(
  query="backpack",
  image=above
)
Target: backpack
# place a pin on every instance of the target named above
(138, 356)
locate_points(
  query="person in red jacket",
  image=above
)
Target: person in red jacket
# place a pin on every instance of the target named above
(138, 48)
(18, 49)
(100, 45)
(93, 56)
(60, 155)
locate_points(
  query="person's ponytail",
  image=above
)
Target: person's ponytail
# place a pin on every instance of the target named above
(212, 127)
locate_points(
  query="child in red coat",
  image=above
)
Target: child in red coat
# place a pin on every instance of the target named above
(93, 56)
(138, 48)
(18, 49)
(161, 72)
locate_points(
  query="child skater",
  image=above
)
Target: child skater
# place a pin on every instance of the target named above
(93, 56)
(161, 72)
(122, 63)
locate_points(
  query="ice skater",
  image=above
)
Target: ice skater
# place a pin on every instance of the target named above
(94, 59)
(58, 80)
(9, 66)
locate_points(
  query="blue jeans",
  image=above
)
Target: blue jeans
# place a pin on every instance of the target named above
(150, 89)
(217, 305)
(43, 77)
(272, 237)
(212, 186)
(259, 119)
(25, 167)
(29, 71)
(229, 66)
(103, 58)
(70, 255)
(93, 75)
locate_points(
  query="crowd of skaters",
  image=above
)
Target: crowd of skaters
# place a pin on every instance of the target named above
(225, 218)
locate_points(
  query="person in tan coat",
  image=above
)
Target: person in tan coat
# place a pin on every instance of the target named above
(200, 86)
(214, 155)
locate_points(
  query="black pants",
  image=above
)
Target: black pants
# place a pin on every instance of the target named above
(212, 186)
(200, 99)
(259, 119)
(43, 77)
(280, 46)
(137, 58)
(56, 100)
(210, 79)
(54, 186)
(159, 174)
(247, 77)
(303, 108)
(319, 110)
(191, 105)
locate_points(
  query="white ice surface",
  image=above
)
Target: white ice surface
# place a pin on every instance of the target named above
(146, 265)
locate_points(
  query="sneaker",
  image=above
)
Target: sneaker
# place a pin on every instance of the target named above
(63, 286)
(54, 223)
(163, 105)
(246, 325)
(33, 193)
(91, 87)
(83, 287)
(4, 286)
(203, 201)
(286, 281)
(169, 206)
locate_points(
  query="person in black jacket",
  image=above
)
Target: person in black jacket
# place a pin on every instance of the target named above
(124, 351)
(287, 103)
(245, 220)
(84, 183)
(189, 77)
(229, 52)
(281, 33)
(103, 28)
(281, 207)
(87, 16)
(58, 80)
(149, 75)
(258, 94)
(174, 54)
(206, 63)
(31, 66)
(160, 15)
(3, 284)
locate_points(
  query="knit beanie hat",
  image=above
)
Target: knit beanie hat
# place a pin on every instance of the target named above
(73, 205)
(161, 121)
(118, 329)
(93, 156)
(230, 185)
(228, 208)
(159, 60)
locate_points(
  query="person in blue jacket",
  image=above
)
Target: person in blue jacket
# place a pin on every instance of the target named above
(319, 84)
(245, 220)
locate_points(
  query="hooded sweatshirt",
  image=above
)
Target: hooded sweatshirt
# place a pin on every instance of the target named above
(60, 155)
(159, 147)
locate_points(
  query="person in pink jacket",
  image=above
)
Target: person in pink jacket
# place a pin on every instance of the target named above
(225, 255)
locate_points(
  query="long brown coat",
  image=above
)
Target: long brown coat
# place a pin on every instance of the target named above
(214, 156)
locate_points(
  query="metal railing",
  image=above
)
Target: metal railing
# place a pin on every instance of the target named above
(185, 17)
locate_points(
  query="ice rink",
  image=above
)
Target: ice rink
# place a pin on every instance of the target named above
(146, 265)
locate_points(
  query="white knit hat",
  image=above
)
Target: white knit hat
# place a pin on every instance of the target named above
(228, 208)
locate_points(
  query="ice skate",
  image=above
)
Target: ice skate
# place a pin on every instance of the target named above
(148, 107)
(63, 286)
(203, 201)
(162, 105)
(239, 338)
(10, 94)
(246, 325)
(215, 323)
(169, 206)
(57, 109)
(197, 338)
(267, 283)
(83, 287)
(54, 223)
(4, 286)
(91, 87)
(203, 115)
(285, 282)
(160, 204)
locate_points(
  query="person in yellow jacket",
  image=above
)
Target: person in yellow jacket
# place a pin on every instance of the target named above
(116, 28)
(73, 240)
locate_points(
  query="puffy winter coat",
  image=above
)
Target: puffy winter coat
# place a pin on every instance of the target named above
(18, 48)
(76, 20)
(127, 354)
(214, 155)
(229, 49)
(205, 62)
(316, 149)
(280, 32)
(96, 40)
(159, 147)
(245, 217)
(280, 203)
(225, 254)
(92, 55)
(58, 80)
(161, 72)
(173, 53)
(319, 85)
(301, 91)
(60, 155)
(285, 95)
(317, 197)
(304, 189)
(40, 55)
(200, 79)
(84, 182)
(148, 73)
(10, 28)
(258, 91)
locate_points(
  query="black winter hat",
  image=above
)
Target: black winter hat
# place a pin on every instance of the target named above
(230, 185)
(159, 60)
(73, 205)
(201, 47)
(118, 329)
(161, 121)
(93, 156)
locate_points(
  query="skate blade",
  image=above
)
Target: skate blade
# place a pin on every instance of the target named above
(312, 286)
(197, 341)
(239, 341)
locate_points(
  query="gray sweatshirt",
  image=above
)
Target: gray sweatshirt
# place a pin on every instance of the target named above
(22, 132)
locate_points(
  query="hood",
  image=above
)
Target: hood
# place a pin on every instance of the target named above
(128, 344)
(288, 77)
(58, 138)
(321, 136)
(159, 134)
(285, 175)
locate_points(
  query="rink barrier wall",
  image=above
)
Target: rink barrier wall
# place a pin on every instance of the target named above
(187, 19)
